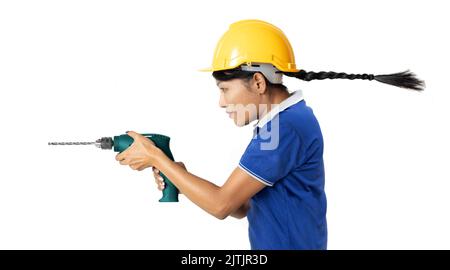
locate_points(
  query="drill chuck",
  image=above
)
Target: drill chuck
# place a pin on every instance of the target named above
(105, 143)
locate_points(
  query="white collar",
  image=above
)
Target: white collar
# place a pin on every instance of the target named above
(293, 98)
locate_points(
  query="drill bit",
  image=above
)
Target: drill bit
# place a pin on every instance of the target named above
(103, 143)
(70, 143)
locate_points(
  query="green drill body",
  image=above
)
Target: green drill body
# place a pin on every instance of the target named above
(122, 142)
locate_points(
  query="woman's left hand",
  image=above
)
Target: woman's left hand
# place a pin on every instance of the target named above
(141, 153)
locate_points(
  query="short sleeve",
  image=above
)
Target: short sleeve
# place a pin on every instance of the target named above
(272, 153)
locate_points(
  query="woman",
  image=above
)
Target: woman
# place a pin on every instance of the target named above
(279, 182)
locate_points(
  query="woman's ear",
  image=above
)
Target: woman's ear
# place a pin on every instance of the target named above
(259, 83)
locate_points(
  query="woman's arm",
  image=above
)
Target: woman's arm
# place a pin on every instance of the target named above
(230, 199)
(241, 212)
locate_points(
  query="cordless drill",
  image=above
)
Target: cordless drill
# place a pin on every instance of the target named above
(122, 142)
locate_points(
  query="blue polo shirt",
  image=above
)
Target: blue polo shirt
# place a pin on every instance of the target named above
(286, 154)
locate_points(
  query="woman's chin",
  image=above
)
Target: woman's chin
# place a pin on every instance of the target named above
(239, 123)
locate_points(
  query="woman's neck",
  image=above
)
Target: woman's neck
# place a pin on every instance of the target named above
(274, 98)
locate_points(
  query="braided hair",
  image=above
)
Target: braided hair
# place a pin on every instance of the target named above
(405, 79)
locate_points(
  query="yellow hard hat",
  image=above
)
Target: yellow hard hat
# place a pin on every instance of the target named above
(253, 41)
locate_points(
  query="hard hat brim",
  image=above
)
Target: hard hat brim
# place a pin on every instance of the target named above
(209, 69)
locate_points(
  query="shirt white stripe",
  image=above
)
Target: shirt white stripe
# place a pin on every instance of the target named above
(254, 175)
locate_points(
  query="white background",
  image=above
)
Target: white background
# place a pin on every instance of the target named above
(80, 70)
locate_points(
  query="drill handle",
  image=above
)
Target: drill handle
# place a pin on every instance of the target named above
(170, 192)
(122, 142)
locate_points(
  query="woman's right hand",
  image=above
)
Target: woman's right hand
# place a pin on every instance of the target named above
(158, 178)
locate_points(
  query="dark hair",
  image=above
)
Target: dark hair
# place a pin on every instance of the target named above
(405, 79)
(237, 73)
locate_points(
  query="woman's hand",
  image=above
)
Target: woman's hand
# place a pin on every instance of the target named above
(158, 178)
(141, 154)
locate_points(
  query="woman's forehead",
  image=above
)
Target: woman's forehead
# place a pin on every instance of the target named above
(229, 83)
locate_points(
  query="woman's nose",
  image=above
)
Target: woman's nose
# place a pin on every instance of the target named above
(222, 103)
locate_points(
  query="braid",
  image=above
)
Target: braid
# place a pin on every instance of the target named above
(308, 76)
(405, 79)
